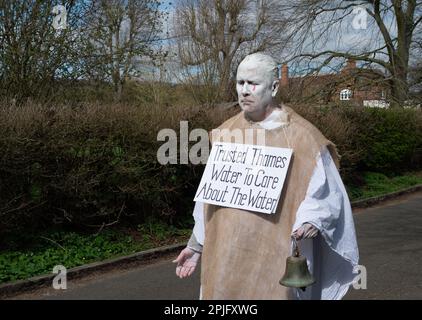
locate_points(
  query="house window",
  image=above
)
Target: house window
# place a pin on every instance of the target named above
(345, 94)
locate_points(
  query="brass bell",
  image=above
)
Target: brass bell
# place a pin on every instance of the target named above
(297, 274)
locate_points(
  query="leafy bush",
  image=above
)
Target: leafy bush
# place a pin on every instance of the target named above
(392, 139)
(371, 139)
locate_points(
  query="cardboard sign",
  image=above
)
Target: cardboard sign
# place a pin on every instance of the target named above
(244, 176)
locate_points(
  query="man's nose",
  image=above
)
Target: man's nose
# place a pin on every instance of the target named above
(245, 89)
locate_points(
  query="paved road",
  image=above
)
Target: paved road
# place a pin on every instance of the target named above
(390, 243)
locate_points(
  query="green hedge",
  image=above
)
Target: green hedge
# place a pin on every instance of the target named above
(392, 139)
(96, 164)
(388, 141)
(91, 166)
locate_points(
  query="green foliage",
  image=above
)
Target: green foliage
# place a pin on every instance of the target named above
(371, 139)
(155, 230)
(70, 249)
(376, 184)
(392, 137)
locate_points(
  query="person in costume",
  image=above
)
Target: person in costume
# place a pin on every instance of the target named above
(243, 253)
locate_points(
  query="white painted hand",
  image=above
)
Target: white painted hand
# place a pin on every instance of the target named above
(186, 262)
(305, 231)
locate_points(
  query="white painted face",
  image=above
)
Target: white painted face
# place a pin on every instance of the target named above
(255, 86)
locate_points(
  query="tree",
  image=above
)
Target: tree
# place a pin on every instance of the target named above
(120, 34)
(213, 36)
(316, 25)
(34, 53)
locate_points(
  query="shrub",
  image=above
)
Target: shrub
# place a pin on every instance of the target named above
(371, 139)
(393, 139)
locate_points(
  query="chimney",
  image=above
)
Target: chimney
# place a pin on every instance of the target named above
(350, 66)
(284, 81)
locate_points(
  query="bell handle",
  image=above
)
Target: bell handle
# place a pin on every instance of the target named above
(296, 247)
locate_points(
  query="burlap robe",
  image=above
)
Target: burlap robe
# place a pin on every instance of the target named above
(244, 253)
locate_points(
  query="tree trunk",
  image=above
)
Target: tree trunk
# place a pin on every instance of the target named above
(399, 92)
(118, 86)
(399, 84)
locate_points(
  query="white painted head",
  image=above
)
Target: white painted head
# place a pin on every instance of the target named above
(257, 85)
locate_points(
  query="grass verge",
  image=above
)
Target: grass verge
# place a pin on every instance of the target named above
(377, 184)
(30, 255)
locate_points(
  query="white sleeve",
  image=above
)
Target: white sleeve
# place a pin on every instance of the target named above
(199, 228)
(333, 254)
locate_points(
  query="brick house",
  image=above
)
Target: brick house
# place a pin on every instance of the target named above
(353, 85)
